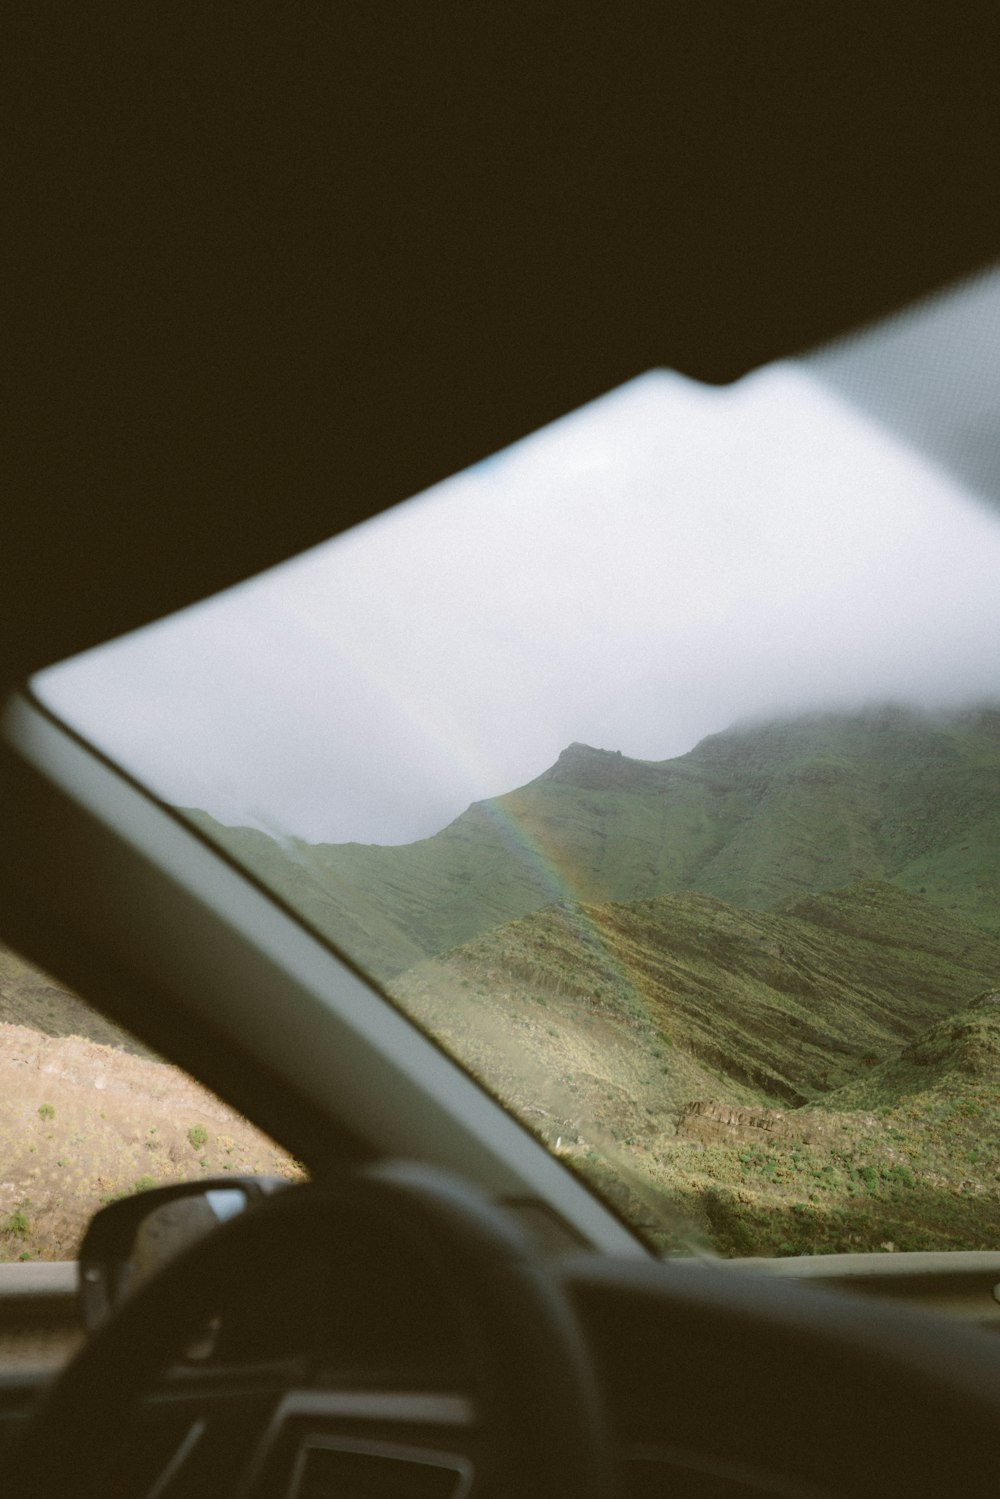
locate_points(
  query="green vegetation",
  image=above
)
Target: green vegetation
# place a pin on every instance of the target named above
(197, 1136)
(904, 1159)
(785, 1005)
(824, 1077)
(46, 1111)
(16, 1226)
(143, 1184)
(755, 815)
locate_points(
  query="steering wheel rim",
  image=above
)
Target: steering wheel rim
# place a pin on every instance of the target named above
(539, 1406)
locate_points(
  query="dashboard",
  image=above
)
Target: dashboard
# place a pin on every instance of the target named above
(360, 1373)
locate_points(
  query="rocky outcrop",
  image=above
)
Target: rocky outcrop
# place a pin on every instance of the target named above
(600, 770)
(708, 1119)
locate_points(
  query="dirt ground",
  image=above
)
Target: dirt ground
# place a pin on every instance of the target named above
(82, 1123)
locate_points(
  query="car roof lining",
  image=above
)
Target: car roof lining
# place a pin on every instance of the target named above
(275, 279)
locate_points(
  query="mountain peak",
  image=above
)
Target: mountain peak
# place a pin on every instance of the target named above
(597, 769)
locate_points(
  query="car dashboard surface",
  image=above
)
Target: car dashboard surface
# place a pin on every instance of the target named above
(717, 1380)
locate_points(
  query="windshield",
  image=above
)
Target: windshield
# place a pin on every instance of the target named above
(653, 766)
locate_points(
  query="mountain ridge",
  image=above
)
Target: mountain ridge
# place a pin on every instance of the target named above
(755, 814)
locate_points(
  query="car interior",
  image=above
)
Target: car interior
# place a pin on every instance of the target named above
(279, 271)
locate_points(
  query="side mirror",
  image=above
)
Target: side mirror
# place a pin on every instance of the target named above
(128, 1241)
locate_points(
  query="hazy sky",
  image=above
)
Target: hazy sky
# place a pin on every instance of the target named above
(641, 574)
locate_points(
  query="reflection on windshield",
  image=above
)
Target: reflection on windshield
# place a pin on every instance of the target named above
(654, 767)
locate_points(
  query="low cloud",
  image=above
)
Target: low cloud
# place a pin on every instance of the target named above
(640, 575)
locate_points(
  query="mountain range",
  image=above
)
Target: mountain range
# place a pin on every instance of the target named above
(750, 992)
(754, 815)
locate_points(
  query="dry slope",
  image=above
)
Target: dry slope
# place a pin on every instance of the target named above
(81, 1123)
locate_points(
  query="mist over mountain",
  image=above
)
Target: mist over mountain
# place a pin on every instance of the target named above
(753, 815)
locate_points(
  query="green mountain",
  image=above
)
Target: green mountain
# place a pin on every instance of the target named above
(754, 815)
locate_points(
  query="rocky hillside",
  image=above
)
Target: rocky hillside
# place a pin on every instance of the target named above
(816, 1077)
(904, 1158)
(777, 1008)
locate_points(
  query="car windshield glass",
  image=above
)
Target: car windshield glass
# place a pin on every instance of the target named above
(653, 766)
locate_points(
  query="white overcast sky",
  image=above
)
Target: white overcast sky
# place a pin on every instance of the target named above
(667, 561)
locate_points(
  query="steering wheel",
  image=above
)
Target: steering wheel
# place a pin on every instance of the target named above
(538, 1407)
